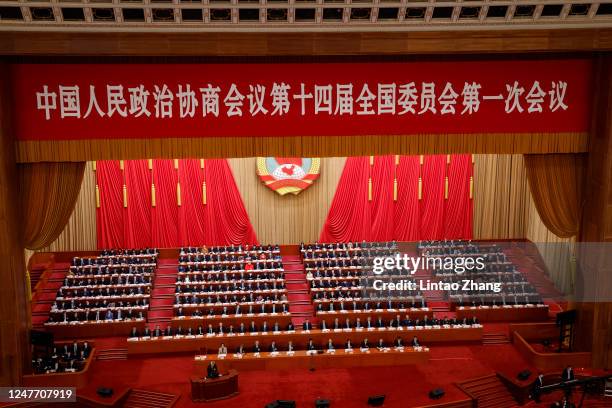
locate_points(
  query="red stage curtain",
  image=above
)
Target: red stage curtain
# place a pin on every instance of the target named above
(458, 219)
(228, 221)
(192, 213)
(432, 204)
(109, 179)
(352, 217)
(164, 229)
(138, 181)
(407, 209)
(349, 215)
(223, 220)
(382, 206)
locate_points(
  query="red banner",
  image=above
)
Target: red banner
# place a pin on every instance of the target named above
(105, 101)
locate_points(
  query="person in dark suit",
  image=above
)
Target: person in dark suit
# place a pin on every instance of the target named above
(134, 332)
(86, 350)
(253, 327)
(273, 347)
(311, 346)
(256, 347)
(568, 374)
(212, 371)
(537, 385)
(306, 325)
(415, 342)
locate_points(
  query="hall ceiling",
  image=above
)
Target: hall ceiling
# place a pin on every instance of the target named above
(299, 15)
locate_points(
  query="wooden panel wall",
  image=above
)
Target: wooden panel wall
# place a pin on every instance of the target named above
(596, 226)
(287, 219)
(14, 307)
(304, 146)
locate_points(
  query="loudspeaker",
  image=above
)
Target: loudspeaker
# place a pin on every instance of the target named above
(321, 403)
(285, 403)
(523, 375)
(376, 400)
(436, 393)
(105, 392)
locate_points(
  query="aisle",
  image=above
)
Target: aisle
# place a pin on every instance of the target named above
(298, 290)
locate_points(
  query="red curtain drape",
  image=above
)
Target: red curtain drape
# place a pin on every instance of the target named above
(109, 215)
(138, 211)
(435, 215)
(162, 220)
(407, 210)
(382, 173)
(227, 218)
(432, 204)
(458, 216)
(164, 229)
(192, 214)
(349, 215)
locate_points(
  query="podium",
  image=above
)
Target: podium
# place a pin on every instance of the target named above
(212, 389)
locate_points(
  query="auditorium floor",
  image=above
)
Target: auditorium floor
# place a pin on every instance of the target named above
(404, 386)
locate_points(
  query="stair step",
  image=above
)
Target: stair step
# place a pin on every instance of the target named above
(149, 399)
(161, 307)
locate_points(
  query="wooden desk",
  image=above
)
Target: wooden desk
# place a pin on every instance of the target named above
(207, 389)
(504, 314)
(88, 330)
(300, 339)
(340, 359)
(363, 315)
(193, 322)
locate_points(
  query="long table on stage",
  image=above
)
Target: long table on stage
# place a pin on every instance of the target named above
(212, 389)
(301, 359)
(385, 314)
(300, 338)
(234, 320)
(505, 314)
(102, 329)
